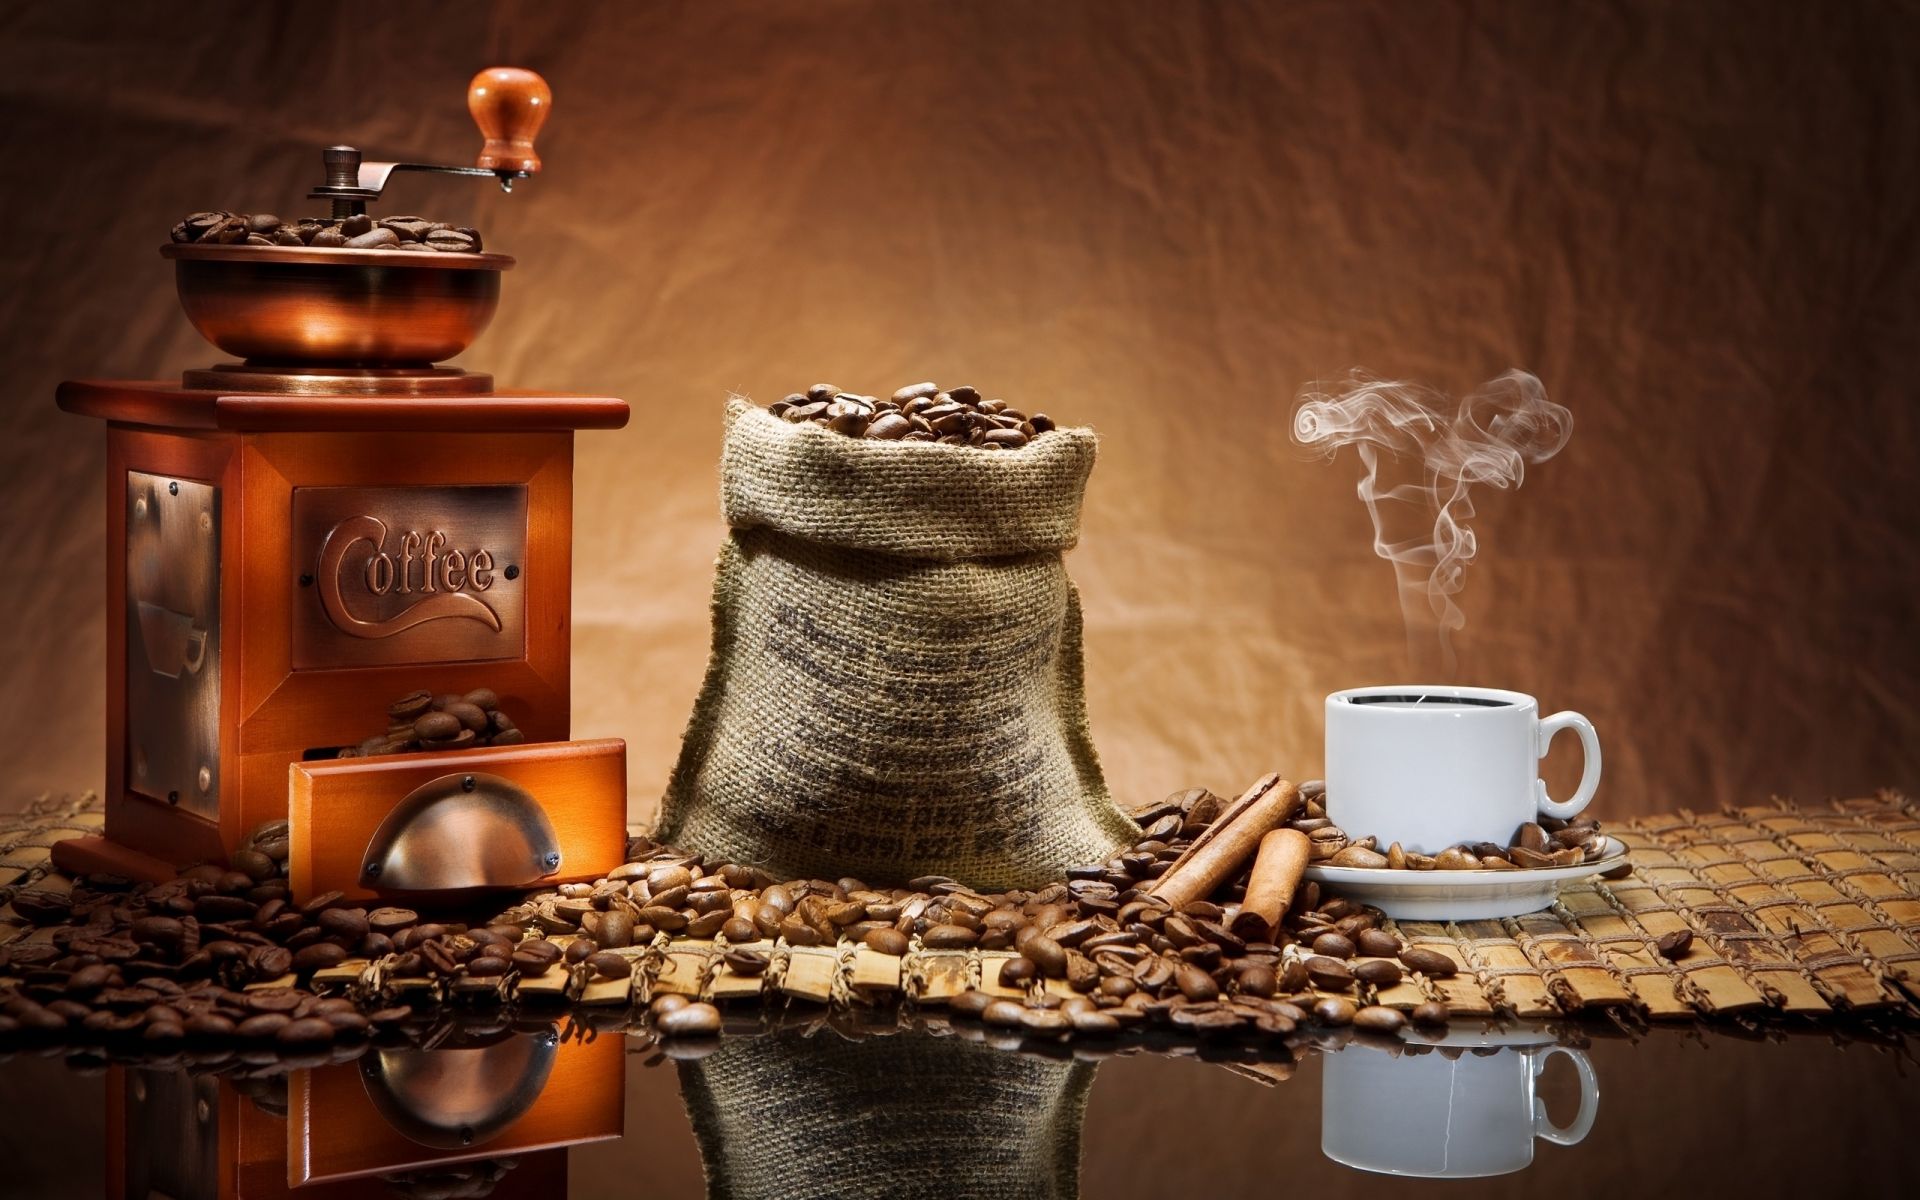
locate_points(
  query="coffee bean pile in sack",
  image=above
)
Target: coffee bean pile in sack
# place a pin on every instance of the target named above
(895, 688)
(789, 1114)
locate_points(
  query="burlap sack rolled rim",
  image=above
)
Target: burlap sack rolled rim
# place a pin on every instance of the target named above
(810, 482)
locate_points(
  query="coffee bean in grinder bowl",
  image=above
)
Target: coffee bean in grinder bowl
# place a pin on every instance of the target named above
(353, 294)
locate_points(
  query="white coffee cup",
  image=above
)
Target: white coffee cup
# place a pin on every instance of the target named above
(1441, 1118)
(1434, 765)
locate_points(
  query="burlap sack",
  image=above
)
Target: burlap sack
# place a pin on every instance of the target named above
(895, 688)
(792, 1117)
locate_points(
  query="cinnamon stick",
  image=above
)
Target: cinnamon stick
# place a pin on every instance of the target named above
(1226, 845)
(1277, 870)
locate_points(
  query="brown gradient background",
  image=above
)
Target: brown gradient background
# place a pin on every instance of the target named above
(1697, 223)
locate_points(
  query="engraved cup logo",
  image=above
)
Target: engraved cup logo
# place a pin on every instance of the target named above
(424, 564)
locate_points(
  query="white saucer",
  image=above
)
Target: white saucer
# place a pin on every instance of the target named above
(1460, 895)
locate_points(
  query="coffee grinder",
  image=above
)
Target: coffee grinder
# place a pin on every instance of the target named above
(298, 538)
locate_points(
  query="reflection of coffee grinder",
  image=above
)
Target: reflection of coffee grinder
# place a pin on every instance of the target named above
(340, 1129)
(300, 538)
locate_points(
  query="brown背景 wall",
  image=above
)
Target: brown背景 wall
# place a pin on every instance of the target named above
(1697, 223)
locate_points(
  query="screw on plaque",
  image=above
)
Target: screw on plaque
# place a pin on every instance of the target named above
(173, 488)
(552, 860)
(467, 783)
(513, 571)
(371, 871)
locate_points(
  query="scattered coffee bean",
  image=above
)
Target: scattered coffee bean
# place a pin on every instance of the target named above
(1431, 963)
(1375, 1018)
(1675, 945)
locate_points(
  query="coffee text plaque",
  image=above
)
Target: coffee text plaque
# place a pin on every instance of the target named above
(404, 575)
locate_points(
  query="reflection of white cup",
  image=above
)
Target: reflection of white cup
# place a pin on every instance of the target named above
(1433, 766)
(1443, 1118)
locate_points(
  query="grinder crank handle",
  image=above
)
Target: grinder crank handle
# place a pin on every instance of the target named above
(509, 104)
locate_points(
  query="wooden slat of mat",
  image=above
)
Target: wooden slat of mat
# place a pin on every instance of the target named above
(991, 964)
(1654, 984)
(1505, 969)
(937, 976)
(811, 973)
(1572, 965)
(1792, 900)
(1864, 894)
(1736, 936)
(1703, 981)
(684, 968)
(728, 984)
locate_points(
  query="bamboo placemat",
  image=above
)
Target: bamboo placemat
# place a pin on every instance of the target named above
(1803, 911)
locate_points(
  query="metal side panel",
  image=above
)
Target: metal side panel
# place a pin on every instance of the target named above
(173, 641)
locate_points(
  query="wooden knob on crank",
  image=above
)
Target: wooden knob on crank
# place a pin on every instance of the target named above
(509, 104)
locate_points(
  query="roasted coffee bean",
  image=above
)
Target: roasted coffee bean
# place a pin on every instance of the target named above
(317, 957)
(1259, 981)
(410, 706)
(1329, 974)
(1194, 983)
(209, 1025)
(490, 965)
(262, 1026)
(1333, 1010)
(1380, 972)
(580, 949)
(255, 865)
(1431, 963)
(745, 962)
(955, 417)
(1429, 1013)
(159, 931)
(888, 941)
(1333, 945)
(1377, 943)
(349, 923)
(738, 930)
(307, 1031)
(1376, 1018)
(1675, 945)
(271, 962)
(531, 964)
(214, 909)
(948, 937)
(391, 920)
(436, 725)
(608, 965)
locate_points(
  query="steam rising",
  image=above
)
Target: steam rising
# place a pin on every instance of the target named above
(1488, 438)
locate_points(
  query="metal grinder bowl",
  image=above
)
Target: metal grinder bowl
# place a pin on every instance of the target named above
(300, 306)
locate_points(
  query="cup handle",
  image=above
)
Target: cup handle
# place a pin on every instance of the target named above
(1573, 1134)
(1589, 777)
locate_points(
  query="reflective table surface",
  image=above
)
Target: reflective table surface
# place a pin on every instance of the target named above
(814, 1108)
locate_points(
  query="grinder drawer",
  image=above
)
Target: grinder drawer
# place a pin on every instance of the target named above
(441, 824)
